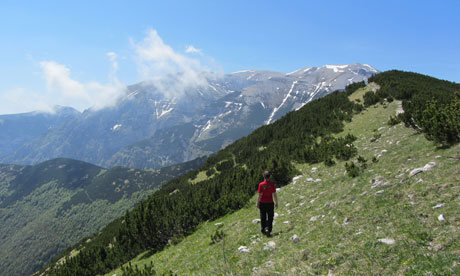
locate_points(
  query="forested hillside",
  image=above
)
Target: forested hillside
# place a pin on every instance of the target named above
(47, 207)
(229, 179)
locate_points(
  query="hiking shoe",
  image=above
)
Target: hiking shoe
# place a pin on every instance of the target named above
(267, 231)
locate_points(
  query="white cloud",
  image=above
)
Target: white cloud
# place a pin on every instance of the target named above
(192, 49)
(63, 90)
(170, 72)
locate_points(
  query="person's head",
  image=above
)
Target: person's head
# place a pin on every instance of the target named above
(266, 175)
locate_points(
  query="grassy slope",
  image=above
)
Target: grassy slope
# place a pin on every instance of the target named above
(350, 216)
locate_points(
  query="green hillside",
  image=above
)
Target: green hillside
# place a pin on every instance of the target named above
(340, 220)
(47, 207)
(343, 212)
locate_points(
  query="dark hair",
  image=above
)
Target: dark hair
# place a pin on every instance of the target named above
(266, 174)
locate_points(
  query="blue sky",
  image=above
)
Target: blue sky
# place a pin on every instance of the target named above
(81, 53)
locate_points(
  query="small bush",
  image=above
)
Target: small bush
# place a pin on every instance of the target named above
(352, 169)
(394, 120)
(329, 162)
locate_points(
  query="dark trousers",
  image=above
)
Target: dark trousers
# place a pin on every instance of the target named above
(266, 215)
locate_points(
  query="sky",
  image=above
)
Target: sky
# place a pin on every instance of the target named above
(84, 53)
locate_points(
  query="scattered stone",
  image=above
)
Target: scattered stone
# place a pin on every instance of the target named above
(278, 189)
(317, 180)
(438, 156)
(380, 128)
(379, 192)
(302, 203)
(387, 241)
(270, 245)
(345, 221)
(384, 151)
(314, 169)
(255, 221)
(439, 206)
(420, 180)
(275, 215)
(218, 224)
(295, 239)
(296, 178)
(411, 196)
(427, 167)
(243, 249)
(363, 193)
(301, 197)
(269, 264)
(397, 142)
(313, 200)
(441, 217)
(315, 218)
(286, 222)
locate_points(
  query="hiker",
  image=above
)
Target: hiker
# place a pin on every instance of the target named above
(267, 194)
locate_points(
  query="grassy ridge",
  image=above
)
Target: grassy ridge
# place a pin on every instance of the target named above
(340, 220)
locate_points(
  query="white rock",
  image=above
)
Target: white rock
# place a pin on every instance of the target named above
(287, 204)
(427, 167)
(387, 241)
(310, 179)
(296, 178)
(438, 156)
(286, 222)
(255, 221)
(270, 245)
(275, 215)
(380, 128)
(439, 206)
(379, 192)
(317, 180)
(301, 197)
(278, 189)
(295, 239)
(441, 217)
(218, 224)
(243, 249)
(384, 151)
(420, 180)
(269, 264)
(397, 142)
(315, 218)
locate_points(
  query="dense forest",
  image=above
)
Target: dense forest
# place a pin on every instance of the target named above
(229, 178)
(430, 105)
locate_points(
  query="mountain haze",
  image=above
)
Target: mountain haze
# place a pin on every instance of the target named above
(152, 127)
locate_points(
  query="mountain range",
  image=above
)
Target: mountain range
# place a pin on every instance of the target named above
(151, 127)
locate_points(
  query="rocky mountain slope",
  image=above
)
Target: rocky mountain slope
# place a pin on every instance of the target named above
(386, 221)
(47, 207)
(355, 163)
(152, 128)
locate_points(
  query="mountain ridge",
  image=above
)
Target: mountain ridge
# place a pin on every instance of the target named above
(228, 107)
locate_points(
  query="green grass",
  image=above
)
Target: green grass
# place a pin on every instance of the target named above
(339, 220)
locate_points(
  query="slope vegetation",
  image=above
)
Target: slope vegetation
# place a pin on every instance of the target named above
(347, 165)
(382, 222)
(47, 207)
